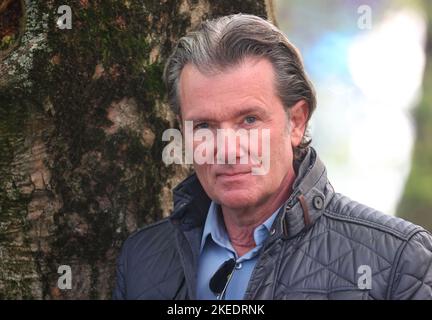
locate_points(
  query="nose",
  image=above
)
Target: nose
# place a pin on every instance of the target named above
(231, 146)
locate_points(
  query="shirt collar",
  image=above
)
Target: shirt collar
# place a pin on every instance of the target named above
(215, 227)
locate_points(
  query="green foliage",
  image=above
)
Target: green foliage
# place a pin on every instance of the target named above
(416, 203)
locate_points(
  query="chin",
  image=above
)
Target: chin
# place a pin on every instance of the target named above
(236, 199)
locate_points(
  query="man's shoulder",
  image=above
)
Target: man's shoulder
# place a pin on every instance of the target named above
(155, 227)
(155, 236)
(398, 252)
(374, 233)
(342, 208)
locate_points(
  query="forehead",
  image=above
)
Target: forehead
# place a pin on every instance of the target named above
(247, 84)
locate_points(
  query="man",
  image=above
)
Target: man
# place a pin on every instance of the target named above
(281, 235)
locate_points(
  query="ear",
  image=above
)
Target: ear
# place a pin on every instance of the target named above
(299, 114)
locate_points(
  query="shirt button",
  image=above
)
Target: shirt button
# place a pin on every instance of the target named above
(238, 266)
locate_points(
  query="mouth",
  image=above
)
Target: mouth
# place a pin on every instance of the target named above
(232, 175)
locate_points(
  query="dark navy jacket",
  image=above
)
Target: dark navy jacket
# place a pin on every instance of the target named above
(322, 246)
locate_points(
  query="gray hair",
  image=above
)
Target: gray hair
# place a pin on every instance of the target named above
(225, 42)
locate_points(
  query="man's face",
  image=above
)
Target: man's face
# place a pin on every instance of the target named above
(242, 97)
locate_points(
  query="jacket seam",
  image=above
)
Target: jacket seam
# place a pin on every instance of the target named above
(398, 262)
(375, 225)
(181, 238)
(278, 267)
(150, 226)
(398, 257)
(325, 291)
(182, 283)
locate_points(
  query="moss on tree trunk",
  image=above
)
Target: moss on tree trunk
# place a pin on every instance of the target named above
(82, 112)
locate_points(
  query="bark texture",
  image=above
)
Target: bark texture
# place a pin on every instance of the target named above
(82, 112)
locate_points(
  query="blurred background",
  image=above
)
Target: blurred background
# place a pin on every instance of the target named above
(373, 122)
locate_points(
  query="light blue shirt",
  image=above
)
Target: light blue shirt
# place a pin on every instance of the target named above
(216, 248)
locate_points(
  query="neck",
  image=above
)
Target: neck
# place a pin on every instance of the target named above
(241, 223)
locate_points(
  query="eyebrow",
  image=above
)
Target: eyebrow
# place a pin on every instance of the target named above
(248, 110)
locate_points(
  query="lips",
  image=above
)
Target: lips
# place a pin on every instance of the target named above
(231, 174)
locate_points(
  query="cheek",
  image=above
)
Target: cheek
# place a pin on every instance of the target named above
(280, 144)
(201, 170)
(281, 157)
(204, 175)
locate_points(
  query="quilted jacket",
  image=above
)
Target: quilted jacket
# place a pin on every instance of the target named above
(322, 245)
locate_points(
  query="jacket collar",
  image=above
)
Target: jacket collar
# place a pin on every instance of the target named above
(311, 193)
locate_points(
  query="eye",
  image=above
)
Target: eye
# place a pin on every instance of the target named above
(250, 119)
(201, 125)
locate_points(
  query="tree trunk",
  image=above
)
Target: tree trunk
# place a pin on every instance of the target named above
(82, 112)
(416, 202)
